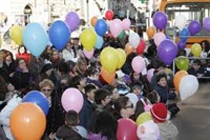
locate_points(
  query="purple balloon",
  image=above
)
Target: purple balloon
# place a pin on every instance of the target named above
(181, 45)
(160, 20)
(206, 23)
(194, 27)
(167, 51)
(73, 21)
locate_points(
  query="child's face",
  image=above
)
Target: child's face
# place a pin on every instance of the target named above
(137, 90)
(91, 95)
(10, 87)
(115, 94)
(163, 82)
(196, 66)
(136, 76)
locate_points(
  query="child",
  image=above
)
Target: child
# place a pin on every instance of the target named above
(121, 85)
(168, 130)
(69, 130)
(196, 69)
(137, 88)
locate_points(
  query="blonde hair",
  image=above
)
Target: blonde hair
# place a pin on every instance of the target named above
(45, 83)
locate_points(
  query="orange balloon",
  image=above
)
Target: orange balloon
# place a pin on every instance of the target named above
(27, 122)
(178, 77)
(129, 49)
(108, 77)
(150, 32)
(93, 21)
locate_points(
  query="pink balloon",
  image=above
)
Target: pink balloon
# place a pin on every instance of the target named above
(150, 73)
(138, 64)
(88, 54)
(126, 24)
(116, 27)
(158, 38)
(72, 99)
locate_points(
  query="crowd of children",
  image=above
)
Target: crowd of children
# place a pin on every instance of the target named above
(104, 104)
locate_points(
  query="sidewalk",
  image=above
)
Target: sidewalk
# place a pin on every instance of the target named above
(193, 121)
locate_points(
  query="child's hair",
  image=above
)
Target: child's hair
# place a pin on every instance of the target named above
(91, 71)
(161, 75)
(197, 61)
(152, 97)
(139, 108)
(75, 81)
(121, 103)
(110, 88)
(100, 95)
(89, 88)
(71, 118)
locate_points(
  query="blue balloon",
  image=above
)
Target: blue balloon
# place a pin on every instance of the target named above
(99, 42)
(101, 27)
(35, 38)
(59, 34)
(184, 34)
(38, 98)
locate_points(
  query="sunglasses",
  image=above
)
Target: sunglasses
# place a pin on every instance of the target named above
(46, 90)
(129, 106)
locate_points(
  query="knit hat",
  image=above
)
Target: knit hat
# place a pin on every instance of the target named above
(159, 112)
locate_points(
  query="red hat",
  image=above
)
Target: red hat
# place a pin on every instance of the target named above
(159, 112)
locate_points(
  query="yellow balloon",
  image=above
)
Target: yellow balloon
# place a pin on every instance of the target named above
(143, 117)
(88, 39)
(122, 57)
(196, 49)
(16, 33)
(109, 59)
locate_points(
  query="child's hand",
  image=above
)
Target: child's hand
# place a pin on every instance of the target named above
(52, 136)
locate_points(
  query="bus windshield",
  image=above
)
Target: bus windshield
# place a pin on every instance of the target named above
(192, 11)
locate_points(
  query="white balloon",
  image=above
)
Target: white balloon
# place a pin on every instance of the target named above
(134, 39)
(133, 98)
(158, 38)
(180, 21)
(188, 86)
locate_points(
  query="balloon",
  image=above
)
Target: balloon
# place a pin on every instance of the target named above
(16, 33)
(150, 73)
(108, 77)
(143, 117)
(194, 27)
(73, 21)
(134, 39)
(122, 57)
(88, 54)
(126, 129)
(59, 34)
(196, 49)
(182, 63)
(180, 21)
(126, 23)
(72, 99)
(109, 59)
(129, 49)
(167, 51)
(184, 34)
(38, 98)
(27, 122)
(138, 64)
(141, 47)
(188, 86)
(168, 37)
(88, 39)
(206, 23)
(35, 38)
(160, 20)
(99, 42)
(121, 36)
(158, 38)
(116, 27)
(82, 131)
(150, 32)
(101, 27)
(181, 45)
(93, 21)
(178, 77)
(133, 99)
(109, 15)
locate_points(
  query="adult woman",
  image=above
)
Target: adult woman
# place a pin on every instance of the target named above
(123, 107)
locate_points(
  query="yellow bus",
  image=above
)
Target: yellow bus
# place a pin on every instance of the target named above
(192, 10)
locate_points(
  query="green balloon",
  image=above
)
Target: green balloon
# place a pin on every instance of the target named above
(182, 63)
(121, 36)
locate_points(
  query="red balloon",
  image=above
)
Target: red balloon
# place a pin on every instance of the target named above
(109, 15)
(126, 129)
(141, 47)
